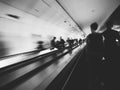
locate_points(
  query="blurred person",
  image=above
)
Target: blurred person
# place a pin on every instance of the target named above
(62, 42)
(80, 41)
(3, 48)
(69, 45)
(53, 43)
(40, 46)
(68, 41)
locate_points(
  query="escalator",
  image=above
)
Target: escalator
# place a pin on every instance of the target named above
(39, 72)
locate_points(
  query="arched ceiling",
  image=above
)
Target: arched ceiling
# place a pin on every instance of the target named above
(85, 12)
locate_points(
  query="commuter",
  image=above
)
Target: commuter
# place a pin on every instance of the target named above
(72, 42)
(112, 38)
(62, 42)
(80, 41)
(40, 46)
(68, 41)
(94, 50)
(112, 57)
(3, 48)
(58, 45)
(76, 42)
(53, 43)
(69, 45)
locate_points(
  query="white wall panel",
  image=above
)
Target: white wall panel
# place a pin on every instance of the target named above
(21, 34)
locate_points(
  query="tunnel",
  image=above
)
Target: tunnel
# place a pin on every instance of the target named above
(47, 45)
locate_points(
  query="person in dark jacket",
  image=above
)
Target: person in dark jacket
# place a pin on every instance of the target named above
(53, 43)
(94, 50)
(112, 57)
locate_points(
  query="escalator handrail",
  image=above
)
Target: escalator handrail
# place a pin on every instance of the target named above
(8, 56)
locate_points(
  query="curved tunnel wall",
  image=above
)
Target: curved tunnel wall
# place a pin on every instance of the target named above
(24, 22)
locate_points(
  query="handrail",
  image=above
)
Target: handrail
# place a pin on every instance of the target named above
(21, 60)
(38, 50)
(4, 64)
(23, 63)
(30, 59)
(27, 74)
(4, 57)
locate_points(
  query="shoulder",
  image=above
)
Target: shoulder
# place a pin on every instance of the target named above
(94, 35)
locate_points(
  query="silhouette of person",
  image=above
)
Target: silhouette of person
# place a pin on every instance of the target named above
(3, 47)
(69, 45)
(93, 27)
(112, 38)
(53, 43)
(62, 42)
(112, 57)
(58, 45)
(94, 50)
(40, 45)
(80, 41)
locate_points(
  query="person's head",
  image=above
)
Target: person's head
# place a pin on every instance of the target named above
(94, 26)
(60, 37)
(109, 24)
(54, 37)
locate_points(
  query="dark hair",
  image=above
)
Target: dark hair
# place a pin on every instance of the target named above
(94, 26)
